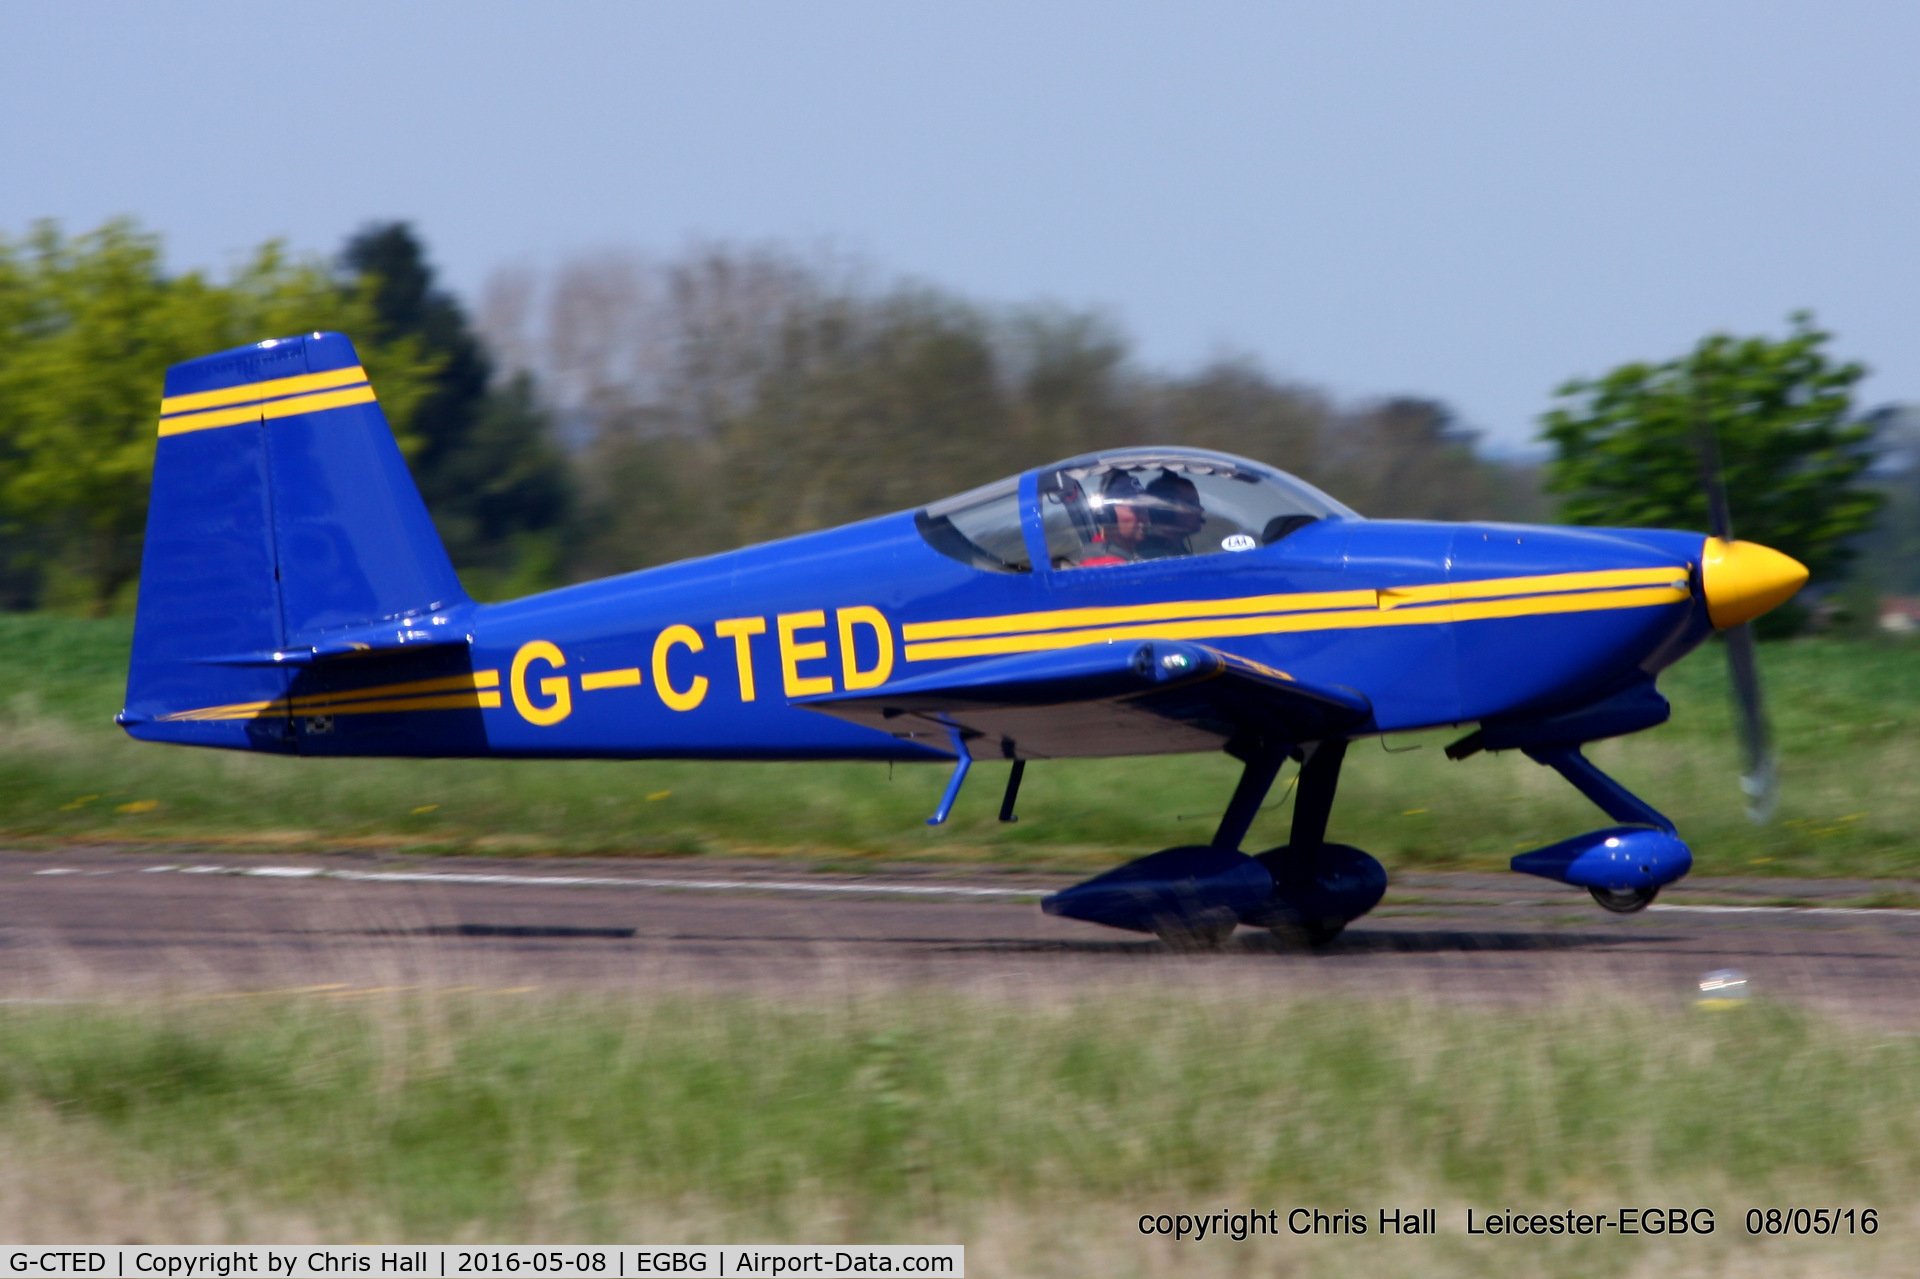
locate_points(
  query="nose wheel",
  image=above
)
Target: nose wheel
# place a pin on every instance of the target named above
(1625, 901)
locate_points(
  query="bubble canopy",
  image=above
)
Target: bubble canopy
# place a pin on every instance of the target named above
(1126, 506)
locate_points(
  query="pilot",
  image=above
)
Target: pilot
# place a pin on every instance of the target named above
(1174, 515)
(1120, 523)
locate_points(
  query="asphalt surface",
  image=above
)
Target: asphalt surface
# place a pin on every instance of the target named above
(114, 924)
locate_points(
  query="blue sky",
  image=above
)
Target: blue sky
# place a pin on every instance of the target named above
(1466, 201)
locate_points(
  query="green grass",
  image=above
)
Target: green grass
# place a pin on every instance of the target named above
(437, 1118)
(1847, 714)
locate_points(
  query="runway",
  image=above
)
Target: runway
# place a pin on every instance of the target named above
(121, 923)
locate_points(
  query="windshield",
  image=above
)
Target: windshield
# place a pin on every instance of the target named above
(1126, 506)
(980, 527)
(1132, 505)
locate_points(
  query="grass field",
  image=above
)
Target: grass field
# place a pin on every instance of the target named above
(1847, 713)
(1035, 1126)
(1012, 1126)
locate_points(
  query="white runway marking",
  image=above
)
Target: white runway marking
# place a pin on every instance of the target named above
(799, 886)
(1785, 910)
(589, 881)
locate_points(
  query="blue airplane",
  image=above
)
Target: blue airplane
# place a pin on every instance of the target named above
(295, 599)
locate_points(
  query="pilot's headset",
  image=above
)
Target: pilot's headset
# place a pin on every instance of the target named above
(1173, 505)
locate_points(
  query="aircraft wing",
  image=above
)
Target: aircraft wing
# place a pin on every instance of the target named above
(1117, 698)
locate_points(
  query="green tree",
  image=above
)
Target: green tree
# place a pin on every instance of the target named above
(486, 465)
(88, 326)
(1625, 451)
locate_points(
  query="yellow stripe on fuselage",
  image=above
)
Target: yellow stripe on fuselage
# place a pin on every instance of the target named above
(1543, 584)
(444, 702)
(233, 710)
(1279, 623)
(478, 679)
(1056, 619)
(1304, 602)
(366, 701)
(274, 398)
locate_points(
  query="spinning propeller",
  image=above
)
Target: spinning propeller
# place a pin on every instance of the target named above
(1743, 580)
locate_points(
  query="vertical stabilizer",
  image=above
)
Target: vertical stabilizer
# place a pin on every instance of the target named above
(282, 512)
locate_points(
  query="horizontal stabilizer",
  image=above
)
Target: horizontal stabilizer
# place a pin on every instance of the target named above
(408, 635)
(1117, 698)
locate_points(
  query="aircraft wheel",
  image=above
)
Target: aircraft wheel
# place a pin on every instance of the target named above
(1191, 937)
(1309, 935)
(1313, 903)
(1626, 901)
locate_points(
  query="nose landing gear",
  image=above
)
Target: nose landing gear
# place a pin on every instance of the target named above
(1623, 867)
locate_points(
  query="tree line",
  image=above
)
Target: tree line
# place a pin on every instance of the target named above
(621, 410)
(729, 396)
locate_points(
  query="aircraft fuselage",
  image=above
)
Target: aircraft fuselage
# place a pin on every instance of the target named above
(1439, 623)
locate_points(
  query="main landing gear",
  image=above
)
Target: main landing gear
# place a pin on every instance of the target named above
(1308, 890)
(1194, 896)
